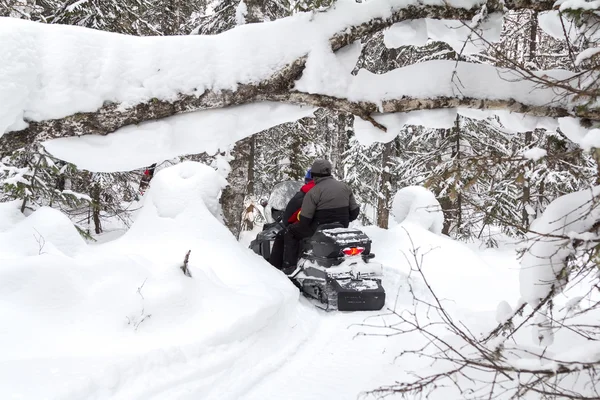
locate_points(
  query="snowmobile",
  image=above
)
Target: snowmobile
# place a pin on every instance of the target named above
(335, 267)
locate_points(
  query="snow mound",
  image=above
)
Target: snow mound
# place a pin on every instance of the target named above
(126, 305)
(503, 312)
(459, 276)
(418, 205)
(549, 244)
(46, 231)
(10, 214)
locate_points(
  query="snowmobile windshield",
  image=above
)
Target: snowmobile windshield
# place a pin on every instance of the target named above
(281, 194)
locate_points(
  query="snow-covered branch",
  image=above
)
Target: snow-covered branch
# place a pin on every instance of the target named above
(113, 116)
(63, 88)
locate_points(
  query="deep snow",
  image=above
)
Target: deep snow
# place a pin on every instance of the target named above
(236, 329)
(69, 311)
(119, 320)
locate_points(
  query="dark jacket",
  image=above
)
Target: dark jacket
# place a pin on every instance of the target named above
(329, 201)
(290, 215)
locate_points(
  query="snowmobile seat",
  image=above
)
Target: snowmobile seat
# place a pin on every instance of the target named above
(332, 225)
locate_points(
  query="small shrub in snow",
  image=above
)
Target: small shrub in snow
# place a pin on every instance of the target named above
(184, 267)
(418, 205)
(136, 320)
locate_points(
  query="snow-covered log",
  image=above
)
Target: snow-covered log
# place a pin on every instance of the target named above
(60, 81)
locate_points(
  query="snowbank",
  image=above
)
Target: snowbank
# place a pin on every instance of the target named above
(46, 231)
(549, 243)
(101, 313)
(119, 320)
(417, 205)
(10, 214)
(462, 277)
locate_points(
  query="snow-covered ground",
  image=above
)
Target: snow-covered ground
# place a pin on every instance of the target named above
(120, 320)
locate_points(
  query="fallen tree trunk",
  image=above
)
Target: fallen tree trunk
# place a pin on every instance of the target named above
(279, 87)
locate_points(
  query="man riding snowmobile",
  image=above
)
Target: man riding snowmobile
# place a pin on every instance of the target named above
(328, 201)
(335, 266)
(290, 216)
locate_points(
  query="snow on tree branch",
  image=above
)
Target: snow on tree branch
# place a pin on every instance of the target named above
(62, 81)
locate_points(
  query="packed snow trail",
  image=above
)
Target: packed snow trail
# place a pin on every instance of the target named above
(345, 358)
(322, 357)
(336, 363)
(340, 357)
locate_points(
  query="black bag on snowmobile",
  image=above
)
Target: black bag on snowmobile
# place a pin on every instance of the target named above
(263, 244)
(281, 194)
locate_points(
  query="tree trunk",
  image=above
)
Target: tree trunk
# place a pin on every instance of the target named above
(251, 160)
(95, 195)
(596, 155)
(383, 202)
(250, 186)
(345, 123)
(177, 14)
(533, 37)
(456, 154)
(526, 197)
(232, 198)
(255, 11)
(445, 202)
(241, 176)
(446, 205)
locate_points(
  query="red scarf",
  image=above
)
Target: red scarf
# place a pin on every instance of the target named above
(305, 189)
